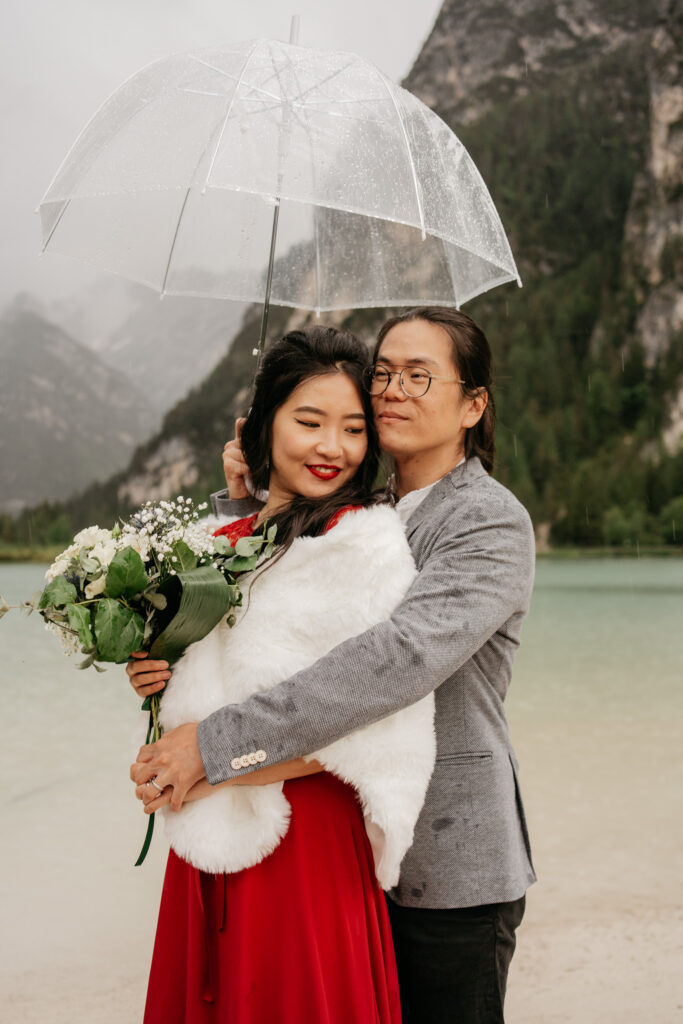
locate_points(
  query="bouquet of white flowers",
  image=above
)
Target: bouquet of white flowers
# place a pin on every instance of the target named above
(156, 583)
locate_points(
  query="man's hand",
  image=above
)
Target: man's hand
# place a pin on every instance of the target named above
(175, 761)
(234, 466)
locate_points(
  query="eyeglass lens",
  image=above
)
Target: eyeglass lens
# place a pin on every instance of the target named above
(413, 380)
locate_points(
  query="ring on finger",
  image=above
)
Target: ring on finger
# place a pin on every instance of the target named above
(155, 784)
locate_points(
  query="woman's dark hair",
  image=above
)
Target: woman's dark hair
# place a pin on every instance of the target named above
(299, 356)
(472, 359)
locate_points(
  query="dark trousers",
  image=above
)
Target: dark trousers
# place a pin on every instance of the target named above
(453, 964)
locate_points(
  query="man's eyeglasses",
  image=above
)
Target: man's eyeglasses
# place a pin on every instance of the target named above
(415, 381)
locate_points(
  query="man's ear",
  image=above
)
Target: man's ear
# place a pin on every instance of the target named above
(476, 406)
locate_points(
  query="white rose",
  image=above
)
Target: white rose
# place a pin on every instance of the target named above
(57, 568)
(85, 538)
(96, 588)
(104, 552)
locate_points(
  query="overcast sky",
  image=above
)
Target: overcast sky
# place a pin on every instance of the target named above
(60, 59)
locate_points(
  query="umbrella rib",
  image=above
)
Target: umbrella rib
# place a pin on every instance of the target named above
(227, 115)
(316, 227)
(56, 224)
(416, 183)
(333, 74)
(175, 239)
(220, 71)
(225, 74)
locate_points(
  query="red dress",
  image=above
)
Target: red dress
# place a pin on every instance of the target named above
(303, 937)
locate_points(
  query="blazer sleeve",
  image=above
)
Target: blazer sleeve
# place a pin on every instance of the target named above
(223, 505)
(473, 579)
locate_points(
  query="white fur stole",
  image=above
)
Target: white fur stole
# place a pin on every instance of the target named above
(323, 591)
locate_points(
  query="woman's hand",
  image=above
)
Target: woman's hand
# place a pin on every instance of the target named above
(147, 677)
(151, 798)
(234, 466)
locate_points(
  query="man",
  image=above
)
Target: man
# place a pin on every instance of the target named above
(460, 896)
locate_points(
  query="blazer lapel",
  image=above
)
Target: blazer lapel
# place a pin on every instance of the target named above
(461, 476)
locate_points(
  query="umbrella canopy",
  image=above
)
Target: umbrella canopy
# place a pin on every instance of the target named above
(175, 180)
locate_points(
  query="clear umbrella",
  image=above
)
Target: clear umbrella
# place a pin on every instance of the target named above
(186, 176)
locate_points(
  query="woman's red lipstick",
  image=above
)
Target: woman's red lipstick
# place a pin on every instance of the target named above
(324, 472)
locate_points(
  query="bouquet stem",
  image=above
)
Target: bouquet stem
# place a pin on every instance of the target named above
(154, 731)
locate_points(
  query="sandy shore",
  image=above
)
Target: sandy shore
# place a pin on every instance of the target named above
(627, 971)
(601, 943)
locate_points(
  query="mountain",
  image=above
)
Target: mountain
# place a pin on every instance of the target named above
(174, 342)
(66, 418)
(573, 112)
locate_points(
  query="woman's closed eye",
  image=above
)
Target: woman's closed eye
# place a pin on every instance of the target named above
(312, 425)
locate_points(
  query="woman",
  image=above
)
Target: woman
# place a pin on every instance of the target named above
(272, 909)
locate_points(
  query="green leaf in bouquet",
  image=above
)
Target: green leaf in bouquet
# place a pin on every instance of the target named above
(221, 545)
(270, 535)
(183, 558)
(88, 565)
(118, 630)
(126, 576)
(116, 530)
(58, 593)
(238, 564)
(197, 601)
(246, 546)
(80, 620)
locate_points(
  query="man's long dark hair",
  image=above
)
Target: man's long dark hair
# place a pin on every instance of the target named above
(299, 356)
(472, 359)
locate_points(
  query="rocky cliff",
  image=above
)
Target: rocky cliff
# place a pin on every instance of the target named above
(654, 226)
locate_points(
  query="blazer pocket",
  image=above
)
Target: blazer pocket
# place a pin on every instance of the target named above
(467, 757)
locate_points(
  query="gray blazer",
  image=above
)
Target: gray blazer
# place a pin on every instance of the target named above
(456, 633)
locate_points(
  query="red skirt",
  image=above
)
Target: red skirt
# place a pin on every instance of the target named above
(301, 938)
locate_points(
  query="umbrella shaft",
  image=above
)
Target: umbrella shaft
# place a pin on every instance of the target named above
(269, 280)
